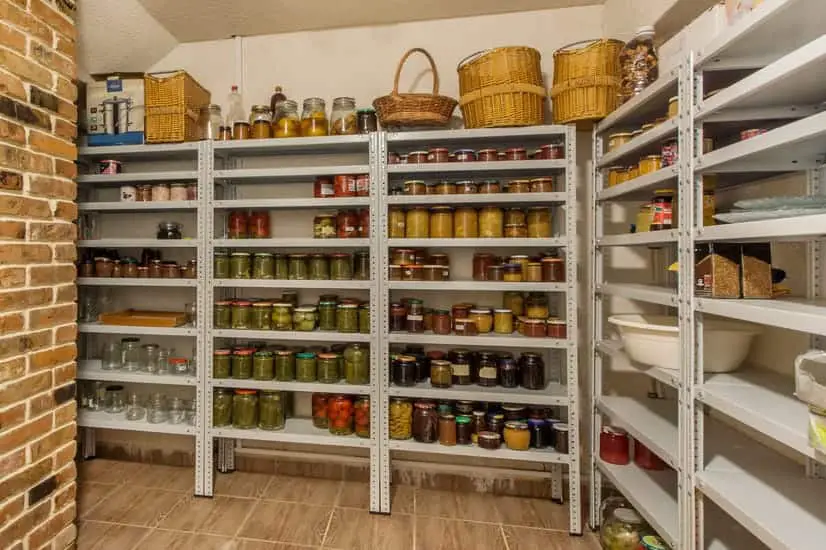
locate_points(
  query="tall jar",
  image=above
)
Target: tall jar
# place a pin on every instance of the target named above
(288, 124)
(639, 65)
(261, 121)
(221, 407)
(245, 409)
(357, 364)
(271, 415)
(344, 120)
(425, 422)
(465, 223)
(284, 365)
(214, 122)
(319, 405)
(340, 415)
(362, 416)
(314, 118)
(400, 418)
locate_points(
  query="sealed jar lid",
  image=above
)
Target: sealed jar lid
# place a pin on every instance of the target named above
(480, 311)
(305, 355)
(556, 321)
(328, 356)
(516, 425)
(620, 135)
(306, 309)
(438, 150)
(463, 151)
(664, 192)
(652, 542)
(242, 303)
(513, 267)
(442, 209)
(245, 392)
(462, 419)
(625, 515)
(262, 304)
(243, 352)
(247, 254)
(503, 310)
(613, 430)
(489, 436)
(348, 306)
(222, 351)
(560, 427)
(282, 304)
(263, 353)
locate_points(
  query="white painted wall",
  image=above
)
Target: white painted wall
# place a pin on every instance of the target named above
(622, 17)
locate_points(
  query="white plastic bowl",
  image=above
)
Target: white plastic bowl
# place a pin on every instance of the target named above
(655, 340)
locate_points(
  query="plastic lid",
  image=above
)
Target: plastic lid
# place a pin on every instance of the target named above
(305, 355)
(462, 419)
(221, 352)
(305, 309)
(627, 515)
(645, 29)
(653, 542)
(245, 392)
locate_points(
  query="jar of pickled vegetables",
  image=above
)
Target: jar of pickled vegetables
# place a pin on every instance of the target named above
(263, 365)
(237, 225)
(239, 267)
(341, 267)
(514, 301)
(327, 368)
(319, 405)
(441, 222)
(516, 231)
(362, 416)
(305, 366)
(465, 223)
(281, 269)
(314, 118)
(221, 363)
(357, 364)
(271, 413)
(400, 418)
(539, 222)
(222, 314)
(503, 321)
(491, 222)
(261, 317)
(284, 365)
(344, 116)
(364, 318)
(245, 409)
(241, 314)
(221, 407)
(536, 306)
(287, 124)
(441, 375)
(242, 364)
(417, 223)
(282, 316)
(220, 265)
(361, 271)
(327, 315)
(340, 415)
(298, 270)
(347, 318)
(319, 267)
(396, 222)
(325, 226)
(263, 266)
(305, 318)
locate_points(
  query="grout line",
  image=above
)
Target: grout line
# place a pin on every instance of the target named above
(504, 538)
(332, 512)
(246, 518)
(415, 515)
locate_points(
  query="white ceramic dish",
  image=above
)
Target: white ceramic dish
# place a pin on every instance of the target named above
(655, 340)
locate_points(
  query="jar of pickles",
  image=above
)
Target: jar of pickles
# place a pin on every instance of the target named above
(319, 406)
(261, 318)
(282, 316)
(314, 118)
(347, 318)
(271, 410)
(465, 223)
(305, 366)
(361, 416)
(357, 364)
(241, 314)
(364, 318)
(341, 268)
(221, 363)
(221, 407)
(220, 265)
(298, 269)
(284, 365)
(245, 409)
(327, 315)
(441, 222)
(240, 265)
(242, 364)
(263, 265)
(222, 314)
(319, 267)
(400, 418)
(305, 318)
(263, 365)
(503, 321)
(361, 270)
(327, 370)
(340, 415)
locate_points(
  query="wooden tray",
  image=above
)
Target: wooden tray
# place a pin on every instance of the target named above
(141, 318)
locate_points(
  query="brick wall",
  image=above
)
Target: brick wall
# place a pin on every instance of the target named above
(37, 275)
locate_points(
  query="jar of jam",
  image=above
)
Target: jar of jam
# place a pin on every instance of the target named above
(539, 222)
(542, 185)
(465, 223)
(323, 187)
(481, 262)
(447, 430)
(614, 446)
(237, 225)
(536, 306)
(490, 187)
(460, 311)
(466, 187)
(415, 187)
(396, 223)
(464, 430)
(441, 322)
(403, 371)
(438, 154)
(445, 188)
(489, 440)
(441, 373)
(516, 153)
(557, 328)
(441, 222)
(424, 422)
(512, 273)
(415, 316)
(487, 371)
(553, 270)
(533, 328)
(398, 317)
(460, 367)
(519, 186)
(417, 223)
(645, 458)
(663, 212)
(483, 317)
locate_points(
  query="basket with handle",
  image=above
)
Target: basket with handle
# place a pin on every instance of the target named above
(414, 109)
(586, 81)
(502, 87)
(174, 102)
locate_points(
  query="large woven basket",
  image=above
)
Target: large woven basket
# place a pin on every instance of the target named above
(586, 81)
(502, 87)
(174, 102)
(414, 109)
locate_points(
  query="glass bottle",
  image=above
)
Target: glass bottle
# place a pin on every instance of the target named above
(276, 99)
(314, 118)
(235, 108)
(286, 122)
(343, 118)
(214, 122)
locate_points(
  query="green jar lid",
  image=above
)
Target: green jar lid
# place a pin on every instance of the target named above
(328, 303)
(263, 354)
(305, 355)
(264, 254)
(652, 542)
(462, 419)
(366, 110)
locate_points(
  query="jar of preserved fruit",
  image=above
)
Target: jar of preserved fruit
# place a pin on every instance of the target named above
(245, 409)
(261, 318)
(343, 117)
(533, 272)
(553, 270)
(325, 226)
(398, 317)
(534, 328)
(177, 192)
(441, 373)
(298, 269)
(282, 316)
(438, 154)
(239, 267)
(466, 187)
(447, 430)
(536, 306)
(400, 418)
(460, 367)
(241, 130)
(403, 371)
(542, 185)
(261, 120)
(517, 436)
(221, 363)
(481, 262)
(483, 319)
(357, 364)
(556, 328)
(516, 231)
(503, 321)
(441, 323)
(465, 223)
(361, 416)
(519, 186)
(263, 266)
(287, 125)
(415, 187)
(425, 422)
(169, 230)
(491, 222)
(258, 225)
(242, 363)
(340, 415)
(417, 223)
(222, 314)
(347, 318)
(305, 318)
(327, 368)
(487, 373)
(435, 273)
(314, 118)
(638, 64)
(263, 365)
(441, 222)
(221, 407)
(284, 365)
(347, 224)
(415, 316)
(396, 222)
(323, 187)
(490, 187)
(305, 366)
(170, 270)
(271, 410)
(512, 273)
(444, 188)
(237, 225)
(539, 222)
(341, 268)
(241, 313)
(508, 371)
(514, 301)
(532, 371)
(361, 271)
(663, 210)
(319, 406)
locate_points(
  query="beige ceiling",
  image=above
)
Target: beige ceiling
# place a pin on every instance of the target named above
(194, 20)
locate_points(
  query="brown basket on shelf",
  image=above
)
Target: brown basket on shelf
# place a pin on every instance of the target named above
(414, 109)
(586, 81)
(502, 87)
(174, 102)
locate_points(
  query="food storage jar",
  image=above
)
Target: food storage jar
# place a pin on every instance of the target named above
(343, 118)
(622, 530)
(396, 223)
(398, 317)
(415, 187)
(669, 152)
(556, 328)
(169, 230)
(403, 370)
(614, 446)
(638, 63)
(261, 317)
(319, 403)
(489, 187)
(222, 407)
(263, 365)
(415, 316)
(327, 315)
(271, 413)
(347, 224)
(367, 121)
(517, 436)
(650, 164)
(512, 273)
(425, 421)
(242, 363)
(314, 118)
(305, 366)
(502, 321)
(561, 437)
(239, 266)
(465, 155)
(519, 186)
(340, 415)
(441, 222)
(533, 328)
(241, 314)
(663, 212)
(417, 223)
(445, 188)
(646, 459)
(553, 270)
(161, 192)
(261, 121)
(539, 222)
(245, 409)
(485, 369)
(287, 124)
(489, 440)
(447, 430)
(361, 416)
(327, 368)
(438, 154)
(460, 367)
(491, 222)
(305, 318)
(465, 223)
(263, 265)
(222, 314)
(284, 365)
(466, 187)
(298, 269)
(483, 317)
(282, 316)
(481, 262)
(347, 318)
(258, 225)
(441, 373)
(536, 306)
(400, 418)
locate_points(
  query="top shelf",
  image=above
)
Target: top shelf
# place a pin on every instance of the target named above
(314, 145)
(148, 151)
(436, 138)
(646, 106)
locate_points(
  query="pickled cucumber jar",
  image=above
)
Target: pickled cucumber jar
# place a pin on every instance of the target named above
(221, 407)
(263, 266)
(298, 270)
(241, 314)
(221, 363)
(305, 318)
(281, 269)
(239, 265)
(261, 316)
(282, 316)
(220, 265)
(314, 118)
(340, 415)
(245, 409)
(284, 365)
(357, 364)
(222, 314)
(341, 267)
(361, 416)
(242, 364)
(327, 368)
(305, 366)
(347, 318)
(327, 311)
(263, 365)
(319, 267)
(361, 272)
(364, 318)
(271, 414)
(465, 223)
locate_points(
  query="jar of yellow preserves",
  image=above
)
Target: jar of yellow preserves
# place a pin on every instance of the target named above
(536, 306)
(491, 222)
(514, 301)
(441, 222)
(515, 216)
(483, 319)
(539, 222)
(465, 223)
(417, 223)
(396, 223)
(503, 321)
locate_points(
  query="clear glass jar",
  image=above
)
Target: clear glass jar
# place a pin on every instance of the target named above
(114, 402)
(130, 354)
(241, 314)
(417, 223)
(362, 416)
(151, 357)
(271, 414)
(639, 65)
(261, 122)
(401, 418)
(539, 222)
(341, 267)
(465, 223)
(357, 364)
(134, 408)
(305, 366)
(282, 316)
(263, 365)
(284, 365)
(343, 119)
(305, 318)
(177, 410)
(239, 265)
(298, 269)
(156, 412)
(441, 222)
(214, 122)
(263, 266)
(242, 364)
(112, 356)
(347, 318)
(314, 118)
(288, 124)
(222, 407)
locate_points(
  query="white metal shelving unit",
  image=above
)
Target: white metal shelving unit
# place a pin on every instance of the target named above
(720, 472)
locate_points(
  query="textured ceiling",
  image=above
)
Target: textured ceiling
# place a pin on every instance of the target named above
(194, 20)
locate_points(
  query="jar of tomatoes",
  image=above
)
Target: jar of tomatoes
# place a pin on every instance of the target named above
(319, 404)
(237, 225)
(347, 224)
(258, 225)
(340, 415)
(362, 416)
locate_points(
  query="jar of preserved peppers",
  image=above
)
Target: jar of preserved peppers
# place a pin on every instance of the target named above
(220, 265)
(245, 409)
(327, 368)
(347, 224)
(237, 225)
(241, 315)
(263, 266)
(425, 422)
(221, 407)
(221, 363)
(305, 318)
(305, 366)
(239, 267)
(263, 365)
(340, 415)
(271, 410)
(357, 364)
(222, 314)
(319, 406)
(361, 416)
(284, 365)
(400, 418)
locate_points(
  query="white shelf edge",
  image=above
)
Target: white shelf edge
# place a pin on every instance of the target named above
(480, 198)
(286, 283)
(131, 281)
(553, 242)
(789, 313)
(500, 166)
(797, 227)
(644, 293)
(434, 137)
(138, 243)
(278, 145)
(648, 181)
(650, 93)
(297, 242)
(532, 455)
(124, 206)
(499, 341)
(553, 394)
(664, 237)
(96, 328)
(292, 386)
(653, 422)
(296, 430)
(137, 177)
(291, 335)
(309, 202)
(103, 420)
(89, 369)
(293, 172)
(474, 286)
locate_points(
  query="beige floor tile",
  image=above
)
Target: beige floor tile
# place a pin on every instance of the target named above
(287, 522)
(169, 478)
(353, 529)
(533, 512)
(305, 490)
(134, 505)
(101, 470)
(526, 538)
(216, 516)
(457, 505)
(241, 484)
(176, 540)
(93, 535)
(448, 534)
(356, 494)
(90, 495)
(261, 545)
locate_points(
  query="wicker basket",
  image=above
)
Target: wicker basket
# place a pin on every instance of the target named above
(502, 87)
(586, 81)
(414, 109)
(174, 102)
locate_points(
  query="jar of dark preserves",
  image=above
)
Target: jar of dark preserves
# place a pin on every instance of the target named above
(367, 120)
(481, 262)
(447, 430)
(496, 422)
(398, 317)
(487, 373)
(460, 367)
(508, 371)
(415, 316)
(539, 433)
(532, 371)
(403, 371)
(464, 430)
(514, 412)
(425, 422)
(169, 230)
(441, 321)
(479, 423)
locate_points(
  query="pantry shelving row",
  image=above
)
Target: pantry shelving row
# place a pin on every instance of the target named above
(742, 475)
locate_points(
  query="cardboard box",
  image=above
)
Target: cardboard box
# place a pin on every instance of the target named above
(114, 113)
(693, 37)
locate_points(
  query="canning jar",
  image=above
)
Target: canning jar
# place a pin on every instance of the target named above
(242, 363)
(319, 406)
(282, 316)
(221, 363)
(481, 262)
(170, 270)
(400, 418)
(403, 370)
(417, 223)
(319, 267)
(496, 422)
(415, 187)
(258, 225)
(177, 192)
(508, 371)
(347, 318)
(341, 268)
(222, 314)
(447, 430)
(466, 187)
(261, 120)
(367, 120)
(460, 367)
(512, 273)
(325, 226)
(517, 436)
(483, 319)
(441, 373)
(284, 365)
(532, 272)
(539, 222)
(239, 267)
(645, 458)
(534, 328)
(287, 125)
(263, 265)
(490, 187)
(280, 266)
(262, 365)
(169, 230)
(542, 185)
(241, 314)
(361, 416)
(553, 270)
(536, 306)
(161, 192)
(639, 65)
(347, 224)
(361, 271)
(221, 407)
(514, 301)
(340, 415)
(650, 164)
(343, 118)
(444, 188)
(435, 273)
(314, 118)
(357, 364)
(491, 222)
(271, 413)
(245, 409)
(398, 317)
(425, 421)
(412, 272)
(261, 318)
(614, 446)
(298, 269)
(237, 225)
(487, 372)
(465, 223)
(305, 366)
(662, 210)
(441, 222)
(503, 321)
(519, 186)
(305, 318)
(364, 318)
(489, 440)
(532, 371)
(327, 315)
(327, 371)
(557, 328)
(396, 222)
(415, 316)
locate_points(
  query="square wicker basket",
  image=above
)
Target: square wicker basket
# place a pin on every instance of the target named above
(174, 102)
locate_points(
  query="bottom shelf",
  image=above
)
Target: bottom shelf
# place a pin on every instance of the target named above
(296, 430)
(100, 419)
(532, 455)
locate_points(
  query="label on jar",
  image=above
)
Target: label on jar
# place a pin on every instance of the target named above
(363, 185)
(128, 193)
(487, 372)
(415, 317)
(662, 215)
(460, 369)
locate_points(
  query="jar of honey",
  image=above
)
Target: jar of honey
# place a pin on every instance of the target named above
(483, 319)
(491, 222)
(417, 223)
(539, 222)
(465, 223)
(441, 222)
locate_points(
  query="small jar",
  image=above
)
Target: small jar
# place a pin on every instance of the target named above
(319, 267)
(305, 366)
(242, 364)
(464, 430)
(222, 407)
(465, 223)
(143, 193)
(561, 432)
(534, 328)
(553, 270)
(417, 157)
(282, 316)
(403, 371)
(445, 188)
(222, 314)
(508, 372)
(241, 314)
(536, 306)
(514, 301)
(447, 430)
(487, 155)
(104, 267)
(533, 272)
(516, 153)
(663, 212)
(263, 266)
(435, 273)
(169, 231)
(490, 187)
(263, 365)
(327, 368)
(221, 363)
(441, 323)
(465, 155)
(240, 265)
(398, 317)
(425, 422)
(415, 187)
(347, 224)
(305, 318)
(503, 321)
(519, 186)
(361, 270)
(552, 151)
(441, 374)
(517, 436)
(441, 222)
(483, 319)
(261, 318)
(460, 367)
(314, 118)
(481, 262)
(319, 402)
(614, 446)
(343, 119)
(542, 185)
(415, 316)
(400, 418)
(298, 268)
(489, 440)
(512, 273)
(367, 120)
(347, 318)
(284, 365)
(161, 192)
(645, 458)
(466, 187)
(438, 154)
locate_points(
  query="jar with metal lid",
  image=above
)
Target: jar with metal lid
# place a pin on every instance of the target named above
(490, 187)
(508, 371)
(425, 422)
(503, 321)
(464, 430)
(662, 210)
(327, 315)
(516, 231)
(440, 321)
(441, 374)
(515, 216)
(305, 366)
(340, 415)
(367, 120)
(280, 266)
(222, 314)
(314, 118)
(489, 440)
(483, 319)
(400, 418)
(533, 328)
(319, 267)
(398, 317)
(241, 130)
(361, 416)
(282, 316)
(169, 231)
(553, 270)
(241, 314)
(143, 193)
(298, 269)
(284, 364)
(460, 367)
(512, 273)
(221, 363)
(403, 371)
(340, 267)
(517, 436)
(650, 164)
(557, 328)
(487, 372)
(435, 273)
(263, 365)
(447, 430)
(415, 316)
(441, 222)
(514, 301)
(533, 272)
(415, 187)
(170, 270)
(396, 222)
(261, 318)
(237, 225)
(177, 192)
(536, 306)
(357, 364)
(539, 222)
(465, 223)
(161, 192)
(325, 226)
(261, 122)
(481, 262)
(519, 186)
(305, 318)
(319, 403)
(271, 410)
(287, 124)
(242, 363)
(466, 187)
(347, 319)
(542, 185)
(327, 370)
(347, 224)
(343, 118)
(417, 223)
(445, 188)
(221, 407)
(496, 422)
(239, 266)
(491, 222)
(263, 265)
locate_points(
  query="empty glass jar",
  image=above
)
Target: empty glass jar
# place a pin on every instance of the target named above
(151, 357)
(177, 410)
(156, 412)
(111, 357)
(114, 402)
(130, 354)
(134, 408)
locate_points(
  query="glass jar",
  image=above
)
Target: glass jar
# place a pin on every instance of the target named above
(614, 446)
(221, 265)
(287, 125)
(263, 266)
(340, 415)
(169, 231)
(441, 222)
(536, 306)
(512, 273)
(361, 416)
(517, 436)
(441, 373)
(341, 267)
(425, 422)
(245, 409)
(298, 269)
(465, 223)
(491, 222)
(261, 120)
(398, 317)
(325, 226)
(271, 413)
(214, 120)
(553, 270)
(242, 364)
(314, 118)
(400, 418)
(222, 314)
(490, 187)
(347, 224)
(503, 321)
(327, 315)
(441, 321)
(241, 130)
(460, 367)
(532, 272)
(364, 319)
(221, 407)
(319, 406)
(327, 368)
(263, 365)
(516, 231)
(557, 328)
(161, 192)
(282, 316)
(343, 118)
(417, 223)
(305, 318)
(261, 318)
(347, 318)
(367, 120)
(663, 210)
(481, 262)
(515, 302)
(319, 267)
(623, 528)
(305, 366)
(508, 371)
(532, 371)
(542, 185)
(396, 222)
(415, 316)
(237, 225)
(539, 222)
(239, 267)
(258, 225)
(241, 314)
(447, 430)
(362, 266)
(357, 364)
(638, 64)
(284, 365)
(487, 372)
(483, 319)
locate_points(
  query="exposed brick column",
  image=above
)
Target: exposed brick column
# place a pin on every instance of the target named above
(37, 274)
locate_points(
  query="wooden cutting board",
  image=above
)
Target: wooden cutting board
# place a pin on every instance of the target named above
(142, 318)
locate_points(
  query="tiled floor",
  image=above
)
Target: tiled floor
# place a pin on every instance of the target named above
(124, 506)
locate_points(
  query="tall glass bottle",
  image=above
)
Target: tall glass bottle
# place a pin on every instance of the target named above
(277, 97)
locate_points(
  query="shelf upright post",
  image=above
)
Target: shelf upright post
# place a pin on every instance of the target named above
(206, 194)
(382, 290)
(201, 305)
